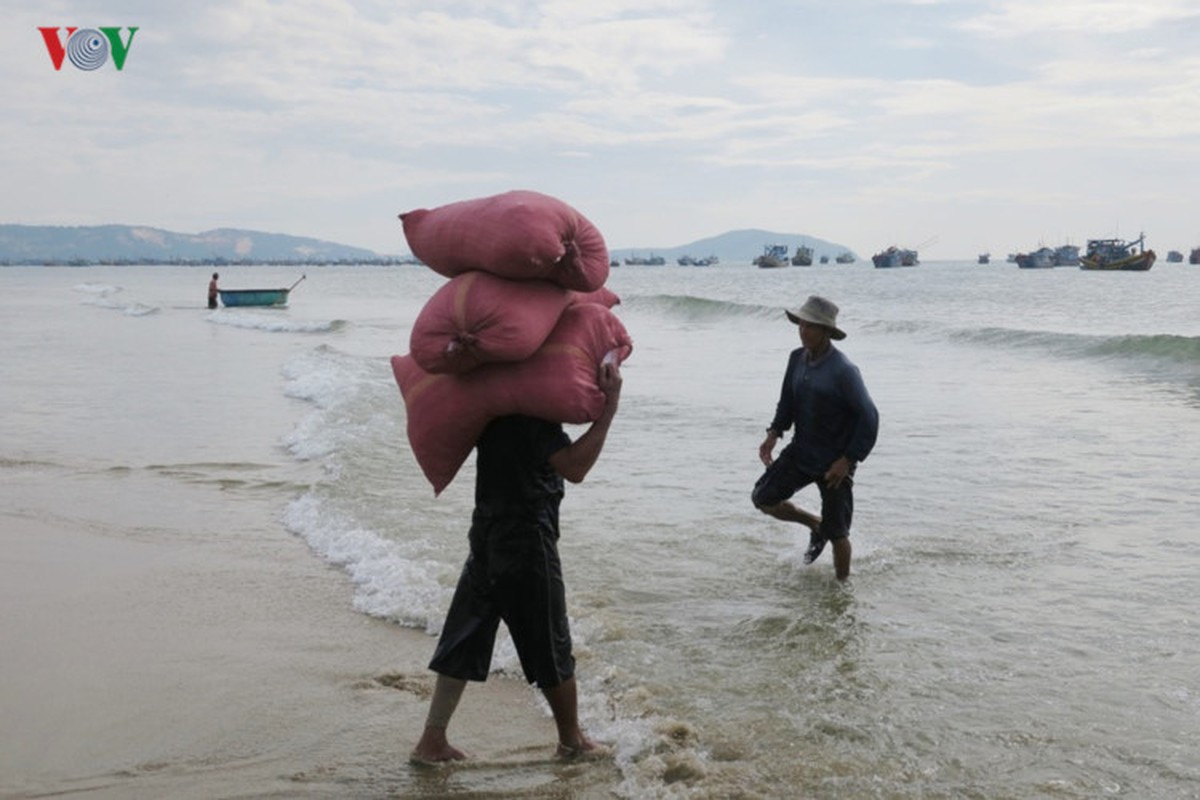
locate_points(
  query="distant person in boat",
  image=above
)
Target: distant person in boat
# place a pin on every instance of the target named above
(513, 573)
(824, 398)
(212, 291)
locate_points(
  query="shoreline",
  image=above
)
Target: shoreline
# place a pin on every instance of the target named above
(183, 663)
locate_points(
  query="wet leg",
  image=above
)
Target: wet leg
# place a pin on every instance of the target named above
(564, 704)
(841, 557)
(433, 746)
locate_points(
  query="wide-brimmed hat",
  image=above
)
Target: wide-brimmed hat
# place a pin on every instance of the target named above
(818, 311)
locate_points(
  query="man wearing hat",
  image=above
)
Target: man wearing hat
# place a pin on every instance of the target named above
(836, 423)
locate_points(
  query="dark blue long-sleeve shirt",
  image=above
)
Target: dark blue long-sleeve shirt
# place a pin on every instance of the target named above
(829, 406)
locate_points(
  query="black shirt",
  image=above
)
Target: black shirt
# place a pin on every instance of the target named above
(513, 476)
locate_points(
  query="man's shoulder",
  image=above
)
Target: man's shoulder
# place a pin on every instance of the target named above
(838, 357)
(522, 422)
(518, 428)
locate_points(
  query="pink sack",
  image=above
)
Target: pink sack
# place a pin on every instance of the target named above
(520, 234)
(478, 318)
(447, 413)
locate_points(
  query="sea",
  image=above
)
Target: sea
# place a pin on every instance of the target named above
(1021, 617)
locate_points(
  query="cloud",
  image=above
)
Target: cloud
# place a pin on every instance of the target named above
(1086, 18)
(325, 117)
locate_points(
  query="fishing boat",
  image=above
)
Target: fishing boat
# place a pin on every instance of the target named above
(1194, 258)
(887, 258)
(895, 257)
(824, 259)
(1066, 255)
(985, 258)
(845, 257)
(231, 298)
(1042, 258)
(1117, 254)
(646, 261)
(802, 257)
(1174, 257)
(774, 255)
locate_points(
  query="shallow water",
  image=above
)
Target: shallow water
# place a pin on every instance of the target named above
(1020, 621)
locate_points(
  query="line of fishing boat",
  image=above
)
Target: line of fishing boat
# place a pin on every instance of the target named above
(644, 261)
(1100, 254)
(688, 261)
(776, 255)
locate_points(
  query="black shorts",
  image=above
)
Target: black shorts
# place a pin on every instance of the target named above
(783, 479)
(513, 574)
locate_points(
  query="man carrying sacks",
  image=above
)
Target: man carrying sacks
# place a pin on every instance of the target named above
(512, 412)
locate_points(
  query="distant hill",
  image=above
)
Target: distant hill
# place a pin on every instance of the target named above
(39, 244)
(737, 246)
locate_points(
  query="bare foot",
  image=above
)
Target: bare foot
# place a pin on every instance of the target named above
(434, 749)
(440, 757)
(582, 750)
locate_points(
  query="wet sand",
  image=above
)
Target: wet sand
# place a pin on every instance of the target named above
(146, 660)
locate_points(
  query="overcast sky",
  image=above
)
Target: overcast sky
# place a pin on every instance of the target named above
(958, 126)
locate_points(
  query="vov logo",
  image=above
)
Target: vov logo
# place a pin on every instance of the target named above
(87, 48)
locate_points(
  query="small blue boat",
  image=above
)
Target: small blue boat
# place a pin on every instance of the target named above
(256, 297)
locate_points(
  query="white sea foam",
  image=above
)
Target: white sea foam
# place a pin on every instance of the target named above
(400, 578)
(95, 288)
(389, 584)
(110, 297)
(273, 322)
(323, 376)
(394, 579)
(313, 438)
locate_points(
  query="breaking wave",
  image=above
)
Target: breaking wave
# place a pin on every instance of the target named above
(690, 307)
(1164, 347)
(274, 322)
(104, 295)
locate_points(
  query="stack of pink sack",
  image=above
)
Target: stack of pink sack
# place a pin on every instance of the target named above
(521, 327)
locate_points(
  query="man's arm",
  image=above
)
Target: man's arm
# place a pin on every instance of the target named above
(783, 414)
(766, 450)
(575, 460)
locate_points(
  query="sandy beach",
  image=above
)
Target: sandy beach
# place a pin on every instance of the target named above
(140, 661)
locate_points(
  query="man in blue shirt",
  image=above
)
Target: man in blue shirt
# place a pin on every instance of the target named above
(836, 423)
